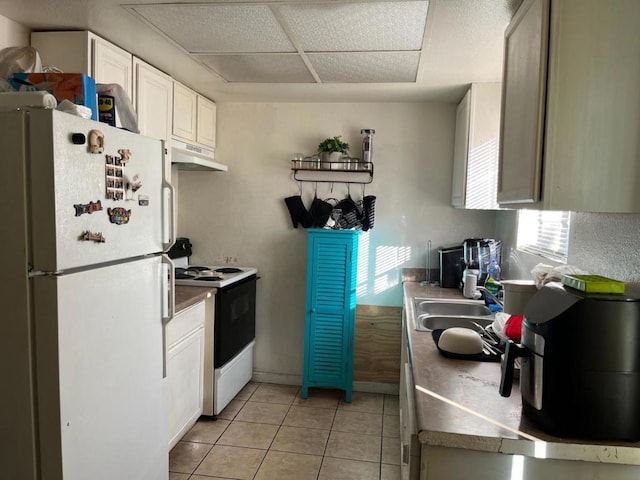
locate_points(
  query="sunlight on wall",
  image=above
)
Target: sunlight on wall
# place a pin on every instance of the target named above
(482, 176)
(383, 274)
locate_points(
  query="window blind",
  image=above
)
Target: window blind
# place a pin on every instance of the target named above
(544, 233)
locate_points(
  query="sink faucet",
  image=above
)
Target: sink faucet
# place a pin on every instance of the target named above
(493, 297)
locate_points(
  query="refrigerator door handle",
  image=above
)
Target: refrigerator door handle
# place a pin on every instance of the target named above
(168, 305)
(168, 206)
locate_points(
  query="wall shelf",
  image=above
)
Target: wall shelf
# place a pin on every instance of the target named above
(333, 172)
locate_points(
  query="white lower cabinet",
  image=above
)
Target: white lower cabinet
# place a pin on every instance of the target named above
(185, 374)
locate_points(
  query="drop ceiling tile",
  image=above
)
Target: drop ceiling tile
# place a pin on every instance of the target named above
(218, 28)
(271, 68)
(366, 67)
(373, 26)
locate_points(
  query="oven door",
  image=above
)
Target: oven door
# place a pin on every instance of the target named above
(235, 319)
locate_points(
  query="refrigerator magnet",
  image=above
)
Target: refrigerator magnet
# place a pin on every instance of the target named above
(133, 185)
(125, 154)
(96, 141)
(114, 177)
(89, 236)
(119, 215)
(143, 200)
(82, 208)
(78, 138)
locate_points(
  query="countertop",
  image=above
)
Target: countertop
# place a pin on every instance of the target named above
(187, 296)
(462, 408)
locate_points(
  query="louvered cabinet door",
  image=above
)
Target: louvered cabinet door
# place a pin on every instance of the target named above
(330, 309)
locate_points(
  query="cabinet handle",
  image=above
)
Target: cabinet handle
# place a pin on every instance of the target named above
(405, 454)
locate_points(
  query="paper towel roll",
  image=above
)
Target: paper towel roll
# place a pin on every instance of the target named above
(39, 99)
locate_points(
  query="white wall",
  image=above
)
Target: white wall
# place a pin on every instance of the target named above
(240, 215)
(603, 244)
(12, 34)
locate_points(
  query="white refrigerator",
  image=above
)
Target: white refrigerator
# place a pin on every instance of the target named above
(86, 294)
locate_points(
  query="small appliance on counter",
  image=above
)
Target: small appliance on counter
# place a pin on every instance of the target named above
(580, 366)
(478, 253)
(451, 264)
(180, 249)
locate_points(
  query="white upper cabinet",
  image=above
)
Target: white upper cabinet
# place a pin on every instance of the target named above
(194, 117)
(111, 64)
(85, 52)
(206, 122)
(570, 119)
(153, 100)
(184, 112)
(475, 155)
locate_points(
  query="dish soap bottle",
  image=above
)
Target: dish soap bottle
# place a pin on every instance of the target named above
(492, 284)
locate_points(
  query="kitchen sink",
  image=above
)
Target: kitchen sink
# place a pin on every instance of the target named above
(433, 322)
(433, 314)
(450, 307)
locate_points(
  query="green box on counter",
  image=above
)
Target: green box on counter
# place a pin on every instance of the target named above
(593, 283)
(75, 87)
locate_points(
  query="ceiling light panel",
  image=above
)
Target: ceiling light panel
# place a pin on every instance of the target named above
(372, 26)
(271, 68)
(366, 67)
(214, 28)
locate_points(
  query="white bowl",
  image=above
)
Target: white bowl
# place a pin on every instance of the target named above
(460, 340)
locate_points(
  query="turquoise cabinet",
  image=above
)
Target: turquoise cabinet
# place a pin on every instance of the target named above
(332, 259)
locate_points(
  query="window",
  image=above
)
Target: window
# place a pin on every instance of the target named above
(544, 233)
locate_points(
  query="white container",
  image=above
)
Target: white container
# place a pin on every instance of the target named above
(517, 294)
(470, 285)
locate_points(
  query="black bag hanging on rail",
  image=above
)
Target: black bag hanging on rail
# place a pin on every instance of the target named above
(320, 212)
(350, 217)
(298, 212)
(368, 204)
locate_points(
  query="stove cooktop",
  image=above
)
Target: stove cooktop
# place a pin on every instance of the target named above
(211, 276)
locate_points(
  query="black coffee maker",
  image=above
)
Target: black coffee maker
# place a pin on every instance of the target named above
(580, 364)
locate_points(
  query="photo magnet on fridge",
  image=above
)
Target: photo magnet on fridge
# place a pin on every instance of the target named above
(90, 207)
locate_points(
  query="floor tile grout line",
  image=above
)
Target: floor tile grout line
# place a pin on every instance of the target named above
(281, 424)
(274, 437)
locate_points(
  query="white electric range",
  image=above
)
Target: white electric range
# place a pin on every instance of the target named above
(209, 276)
(230, 338)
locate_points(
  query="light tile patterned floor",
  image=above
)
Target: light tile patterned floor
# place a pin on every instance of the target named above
(269, 432)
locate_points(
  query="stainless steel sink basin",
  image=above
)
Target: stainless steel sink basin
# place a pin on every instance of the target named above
(433, 322)
(432, 314)
(450, 307)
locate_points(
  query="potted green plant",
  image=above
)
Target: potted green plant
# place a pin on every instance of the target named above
(331, 151)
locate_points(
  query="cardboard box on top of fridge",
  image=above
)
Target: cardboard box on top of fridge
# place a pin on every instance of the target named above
(75, 87)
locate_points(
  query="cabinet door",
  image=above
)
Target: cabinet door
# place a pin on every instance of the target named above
(153, 100)
(184, 112)
(185, 377)
(206, 123)
(111, 64)
(460, 151)
(592, 148)
(523, 104)
(185, 369)
(475, 163)
(330, 312)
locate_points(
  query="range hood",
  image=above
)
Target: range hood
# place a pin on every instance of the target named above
(192, 157)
